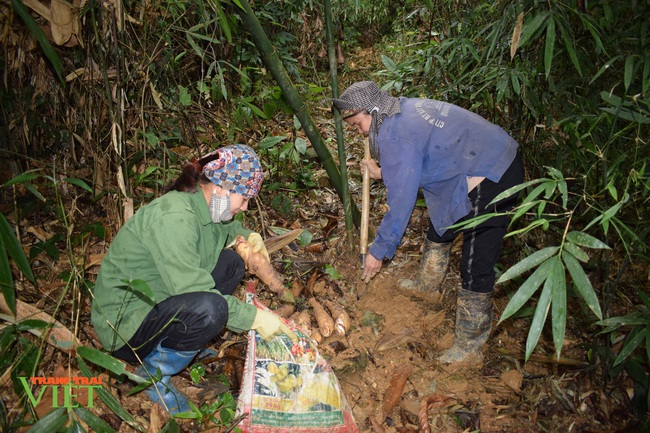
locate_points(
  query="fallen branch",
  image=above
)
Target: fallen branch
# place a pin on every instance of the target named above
(57, 335)
(542, 358)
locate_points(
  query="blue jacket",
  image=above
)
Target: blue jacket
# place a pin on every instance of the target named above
(434, 145)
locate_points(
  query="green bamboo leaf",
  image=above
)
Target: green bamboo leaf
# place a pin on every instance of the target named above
(582, 283)
(633, 319)
(529, 227)
(562, 187)
(32, 188)
(102, 359)
(6, 279)
(527, 290)
(75, 428)
(223, 20)
(428, 4)
(93, 421)
(109, 400)
(528, 263)
(536, 192)
(569, 45)
(645, 299)
(473, 222)
(22, 178)
(646, 77)
(588, 23)
(549, 189)
(609, 213)
(14, 249)
(629, 71)
(550, 46)
(521, 210)
(51, 422)
(539, 318)
(206, 38)
(626, 114)
(555, 173)
(140, 286)
(631, 345)
(603, 68)
(39, 35)
(198, 50)
(78, 182)
(612, 189)
(576, 251)
(516, 86)
(259, 113)
(585, 240)
(557, 279)
(31, 324)
(531, 27)
(515, 189)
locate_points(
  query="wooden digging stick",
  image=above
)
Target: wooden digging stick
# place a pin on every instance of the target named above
(365, 207)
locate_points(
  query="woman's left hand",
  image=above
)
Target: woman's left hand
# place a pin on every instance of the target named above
(255, 239)
(371, 267)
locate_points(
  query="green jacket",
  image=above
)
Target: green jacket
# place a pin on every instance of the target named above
(172, 245)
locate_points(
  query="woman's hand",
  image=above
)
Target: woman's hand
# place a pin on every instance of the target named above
(268, 325)
(256, 240)
(373, 169)
(371, 267)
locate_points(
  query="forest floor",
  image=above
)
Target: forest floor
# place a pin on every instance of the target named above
(395, 334)
(394, 339)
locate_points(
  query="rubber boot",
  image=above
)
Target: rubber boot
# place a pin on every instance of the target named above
(433, 268)
(473, 326)
(163, 392)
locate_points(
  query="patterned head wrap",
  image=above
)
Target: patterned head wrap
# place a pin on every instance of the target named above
(366, 95)
(237, 169)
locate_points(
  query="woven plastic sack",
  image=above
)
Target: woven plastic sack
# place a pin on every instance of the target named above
(289, 387)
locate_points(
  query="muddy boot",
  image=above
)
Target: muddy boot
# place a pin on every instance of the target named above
(473, 325)
(433, 268)
(168, 362)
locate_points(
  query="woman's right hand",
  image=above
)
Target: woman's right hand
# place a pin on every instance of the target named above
(373, 169)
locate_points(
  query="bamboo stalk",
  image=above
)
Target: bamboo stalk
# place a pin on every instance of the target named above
(274, 64)
(338, 126)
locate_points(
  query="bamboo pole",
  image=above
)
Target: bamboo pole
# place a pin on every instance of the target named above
(338, 124)
(274, 64)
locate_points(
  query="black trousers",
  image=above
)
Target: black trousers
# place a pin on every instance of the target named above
(482, 243)
(188, 321)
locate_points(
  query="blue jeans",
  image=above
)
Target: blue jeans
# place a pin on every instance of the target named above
(191, 320)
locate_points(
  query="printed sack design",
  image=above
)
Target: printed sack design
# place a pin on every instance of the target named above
(289, 387)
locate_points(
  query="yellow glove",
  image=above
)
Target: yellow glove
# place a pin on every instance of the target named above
(268, 325)
(255, 239)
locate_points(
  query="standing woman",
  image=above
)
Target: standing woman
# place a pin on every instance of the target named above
(176, 245)
(461, 162)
